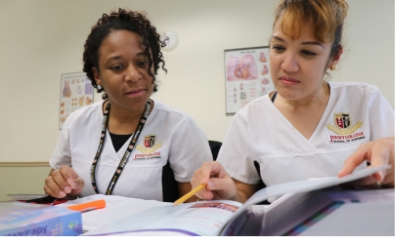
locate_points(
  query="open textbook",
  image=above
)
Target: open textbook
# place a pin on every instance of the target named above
(221, 217)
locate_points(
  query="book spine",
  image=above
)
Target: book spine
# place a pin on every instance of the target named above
(70, 224)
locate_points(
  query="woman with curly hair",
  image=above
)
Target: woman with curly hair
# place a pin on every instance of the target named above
(128, 144)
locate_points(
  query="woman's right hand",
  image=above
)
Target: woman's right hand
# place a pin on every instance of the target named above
(63, 183)
(219, 185)
(377, 152)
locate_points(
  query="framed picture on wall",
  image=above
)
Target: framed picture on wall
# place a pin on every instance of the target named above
(247, 76)
(76, 91)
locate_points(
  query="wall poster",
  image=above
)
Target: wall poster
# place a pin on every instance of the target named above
(76, 91)
(247, 76)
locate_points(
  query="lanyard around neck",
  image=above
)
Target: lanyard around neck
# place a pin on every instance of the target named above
(128, 151)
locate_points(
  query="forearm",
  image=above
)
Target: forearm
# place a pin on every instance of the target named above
(244, 191)
(241, 197)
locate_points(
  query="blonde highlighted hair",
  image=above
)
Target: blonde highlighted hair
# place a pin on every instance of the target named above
(325, 16)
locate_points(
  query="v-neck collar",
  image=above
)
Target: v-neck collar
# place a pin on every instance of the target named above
(319, 125)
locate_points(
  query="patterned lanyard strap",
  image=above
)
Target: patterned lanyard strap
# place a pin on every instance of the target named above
(128, 151)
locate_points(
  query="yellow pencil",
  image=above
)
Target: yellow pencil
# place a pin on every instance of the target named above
(188, 195)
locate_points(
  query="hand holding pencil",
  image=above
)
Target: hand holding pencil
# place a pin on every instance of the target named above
(219, 185)
(189, 194)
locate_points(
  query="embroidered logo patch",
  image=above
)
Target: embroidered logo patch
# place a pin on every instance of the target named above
(343, 124)
(149, 148)
(342, 121)
(345, 129)
(149, 141)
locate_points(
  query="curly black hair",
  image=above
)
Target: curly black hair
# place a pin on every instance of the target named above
(123, 20)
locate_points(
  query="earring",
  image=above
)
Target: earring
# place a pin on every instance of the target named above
(99, 87)
(333, 67)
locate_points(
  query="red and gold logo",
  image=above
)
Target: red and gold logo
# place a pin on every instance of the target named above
(343, 124)
(149, 141)
(342, 120)
(149, 144)
(345, 130)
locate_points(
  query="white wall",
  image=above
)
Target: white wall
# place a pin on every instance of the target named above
(41, 39)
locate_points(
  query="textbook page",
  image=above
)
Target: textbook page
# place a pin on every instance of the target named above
(117, 207)
(197, 218)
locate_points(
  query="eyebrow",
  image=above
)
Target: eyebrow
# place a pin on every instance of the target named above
(303, 43)
(113, 58)
(142, 53)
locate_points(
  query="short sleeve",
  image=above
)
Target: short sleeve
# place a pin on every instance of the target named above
(381, 115)
(189, 150)
(62, 153)
(235, 153)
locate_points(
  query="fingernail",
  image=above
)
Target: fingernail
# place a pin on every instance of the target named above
(61, 194)
(71, 182)
(341, 173)
(210, 184)
(67, 189)
(381, 173)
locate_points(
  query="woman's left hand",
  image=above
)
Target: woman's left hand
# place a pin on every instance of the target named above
(377, 152)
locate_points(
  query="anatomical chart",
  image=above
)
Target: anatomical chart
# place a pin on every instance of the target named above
(76, 91)
(247, 76)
